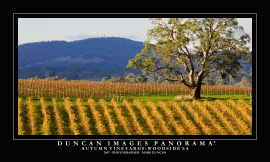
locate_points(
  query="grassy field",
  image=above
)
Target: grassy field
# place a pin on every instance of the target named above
(143, 109)
(174, 98)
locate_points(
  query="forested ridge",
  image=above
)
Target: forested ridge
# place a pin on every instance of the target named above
(91, 58)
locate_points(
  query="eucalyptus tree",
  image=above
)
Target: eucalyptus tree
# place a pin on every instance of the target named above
(188, 49)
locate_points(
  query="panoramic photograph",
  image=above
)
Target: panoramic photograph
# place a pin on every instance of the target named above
(134, 76)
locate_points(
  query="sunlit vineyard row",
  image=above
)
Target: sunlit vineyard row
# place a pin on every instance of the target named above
(134, 117)
(87, 89)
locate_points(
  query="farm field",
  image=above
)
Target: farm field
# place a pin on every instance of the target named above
(96, 108)
(87, 89)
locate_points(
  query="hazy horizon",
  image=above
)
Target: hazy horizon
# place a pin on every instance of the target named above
(32, 30)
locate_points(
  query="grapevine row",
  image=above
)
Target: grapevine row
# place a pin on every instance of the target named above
(87, 89)
(100, 117)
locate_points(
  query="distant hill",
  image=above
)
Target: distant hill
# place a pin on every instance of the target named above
(96, 51)
(89, 54)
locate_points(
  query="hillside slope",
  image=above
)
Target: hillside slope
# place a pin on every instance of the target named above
(101, 52)
(91, 58)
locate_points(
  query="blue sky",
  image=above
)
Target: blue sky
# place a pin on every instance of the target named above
(70, 29)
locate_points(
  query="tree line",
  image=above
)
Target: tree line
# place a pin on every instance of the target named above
(243, 79)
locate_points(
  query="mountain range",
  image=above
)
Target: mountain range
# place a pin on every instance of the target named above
(93, 54)
(106, 51)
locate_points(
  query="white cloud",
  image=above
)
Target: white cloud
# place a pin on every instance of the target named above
(80, 37)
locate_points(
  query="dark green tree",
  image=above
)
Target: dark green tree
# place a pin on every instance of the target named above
(131, 78)
(188, 49)
(116, 79)
(141, 79)
(106, 78)
(245, 82)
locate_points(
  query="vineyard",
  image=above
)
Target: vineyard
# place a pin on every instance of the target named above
(87, 89)
(66, 116)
